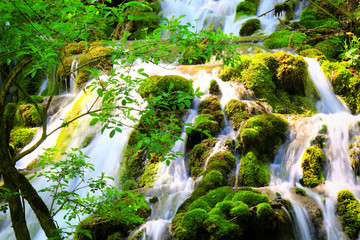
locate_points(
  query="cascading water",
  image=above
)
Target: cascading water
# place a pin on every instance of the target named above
(286, 170)
(212, 14)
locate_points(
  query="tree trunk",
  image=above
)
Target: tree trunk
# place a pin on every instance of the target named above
(16, 212)
(14, 180)
(35, 201)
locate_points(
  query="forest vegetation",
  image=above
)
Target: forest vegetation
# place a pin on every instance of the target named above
(41, 39)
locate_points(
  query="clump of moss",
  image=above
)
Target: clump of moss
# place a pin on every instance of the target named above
(222, 161)
(279, 79)
(284, 38)
(30, 115)
(214, 88)
(253, 172)
(154, 85)
(207, 123)
(348, 209)
(331, 48)
(20, 137)
(312, 165)
(198, 155)
(344, 83)
(236, 112)
(300, 191)
(259, 138)
(249, 27)
(115, 218)
(86, 60)
(74, 48)
(288, 7)
(246, 8)
(263, 135)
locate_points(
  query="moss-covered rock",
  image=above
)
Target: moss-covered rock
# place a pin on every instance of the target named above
(331, 48)
(225, 213)
(292, 74)
(20, 137)
(249, 27)
(222, 161)
(284, 38)
(312, 165)
(198, 155)
(211, 103)
(279, 79)
(30, 115)
(253, 172)
(154, 85)
(114, 219)
(214, 88)
(262, 135)
(246, 8)
(202, 129)
(348, 209)
(344, 83)
(236, 112)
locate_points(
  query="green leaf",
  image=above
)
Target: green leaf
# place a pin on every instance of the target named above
(94, 121)
(123, 102)
(112, 133)
(99, 92)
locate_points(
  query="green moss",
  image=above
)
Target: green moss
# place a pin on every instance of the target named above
(236, 112)
(300, 191)
(30, 115)
(198, 155)
(114, 219)
(312, 165)
(348, 209)
(219, 228)
(20, 137)
(249, 27)
(145, 23)
(192, 223)
(223, 161)
(9, 115)
(262, 135)
(233, 72)
(331, 48)
(312, 53)
(250, 198)
(149, 176)
(200, 203)
(240, 211)
(245, 8)
(284, 38)
(218, 195)
(75, 48)
(96, 50)
(253, 172)
(212, 103)
(214, 87)
(196, 134)
(291, 74)
(311, 18)
(129, 185)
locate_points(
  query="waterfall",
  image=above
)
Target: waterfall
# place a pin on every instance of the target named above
(286, 169)
(213, 14)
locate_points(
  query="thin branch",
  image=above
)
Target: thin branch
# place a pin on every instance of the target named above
(42, 139)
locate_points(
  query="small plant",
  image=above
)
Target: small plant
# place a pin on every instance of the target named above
(352, 50)
(300, 191)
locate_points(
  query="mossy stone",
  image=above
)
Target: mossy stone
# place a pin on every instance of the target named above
(348, 209)
(253, 172)
(249, 27)
(312, 166)
(214, 87)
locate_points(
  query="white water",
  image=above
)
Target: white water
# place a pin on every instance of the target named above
(338, 174)
(213, 14)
